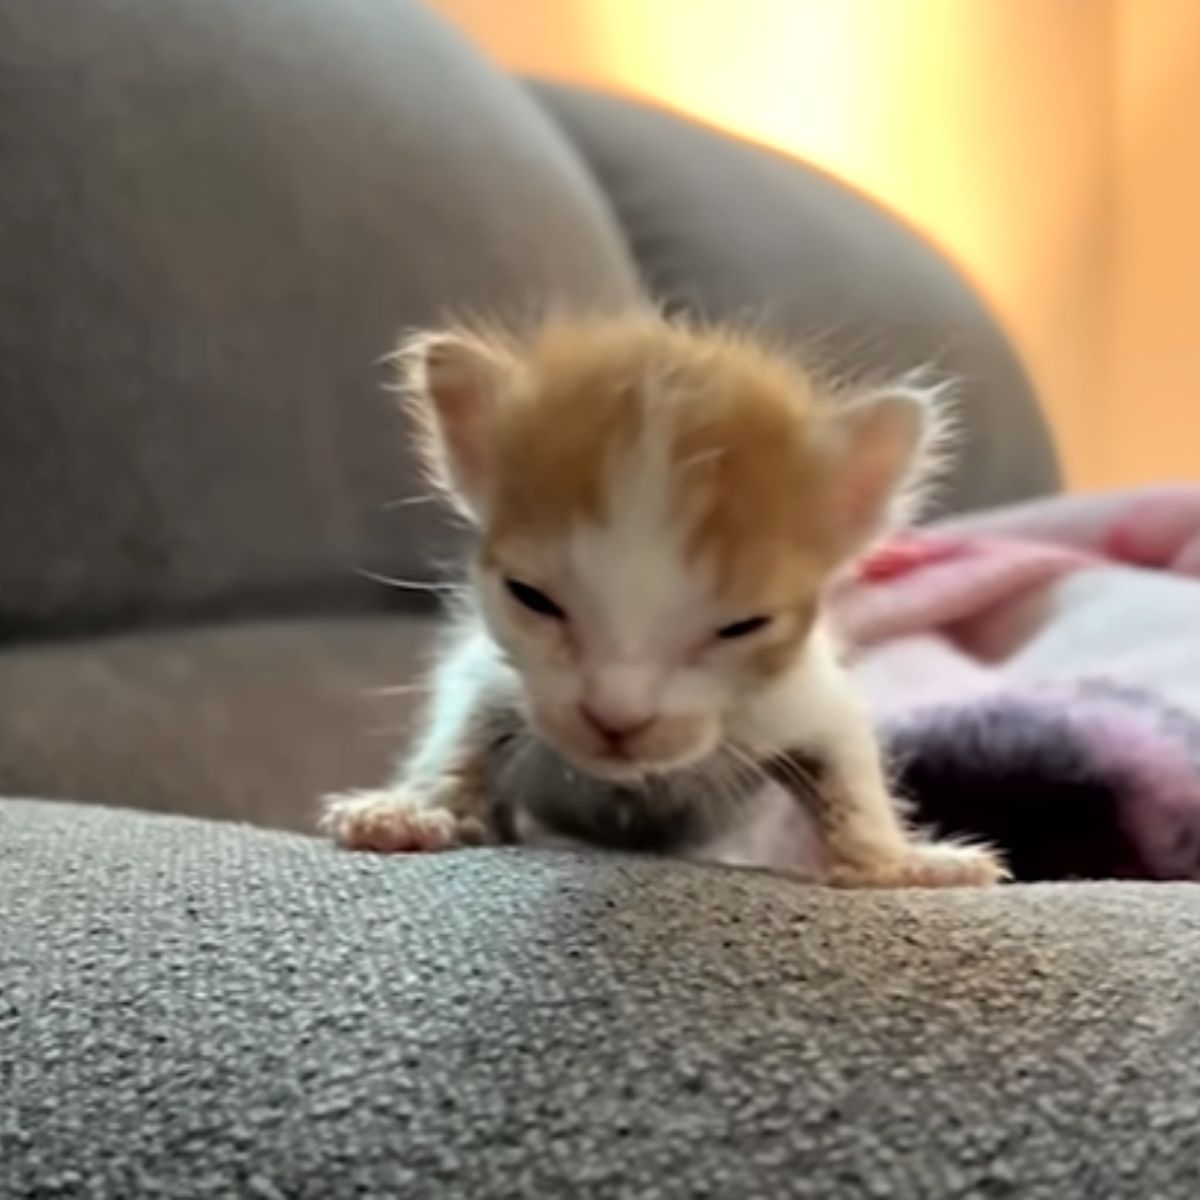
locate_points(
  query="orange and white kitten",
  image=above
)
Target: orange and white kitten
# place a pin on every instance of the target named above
(659, 508)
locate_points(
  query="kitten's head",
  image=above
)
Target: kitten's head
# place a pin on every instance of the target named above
(659, 508)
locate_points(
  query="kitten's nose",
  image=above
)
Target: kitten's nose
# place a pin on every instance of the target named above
(613, 725)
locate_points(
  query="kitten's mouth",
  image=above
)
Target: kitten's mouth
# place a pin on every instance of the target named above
(620, 765)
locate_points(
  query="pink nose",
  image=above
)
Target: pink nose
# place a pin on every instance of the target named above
(614, 727)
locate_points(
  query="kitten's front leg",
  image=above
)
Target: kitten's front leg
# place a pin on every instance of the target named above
(438, 799)
(864, 839)
(408, 817)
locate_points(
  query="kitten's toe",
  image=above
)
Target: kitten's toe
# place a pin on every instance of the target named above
(388, 822)
(925, 865)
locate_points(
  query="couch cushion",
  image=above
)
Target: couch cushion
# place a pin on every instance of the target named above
(216, 216)
(202, 1010)
(248, 722)
(731, 230)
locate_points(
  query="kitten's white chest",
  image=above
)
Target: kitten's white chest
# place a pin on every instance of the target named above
(772, 831)
(776, 832)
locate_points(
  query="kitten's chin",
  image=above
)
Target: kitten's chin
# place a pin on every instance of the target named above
(611, 770)
(623, 770)
(630, 768)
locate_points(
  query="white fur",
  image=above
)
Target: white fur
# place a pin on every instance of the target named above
(640, 608)
(777, 833)
(468, 672)
(812, 702)
(814, 707)
(634, 589)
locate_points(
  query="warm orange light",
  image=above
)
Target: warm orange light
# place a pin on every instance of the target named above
(1155, 376)
(1001, 128)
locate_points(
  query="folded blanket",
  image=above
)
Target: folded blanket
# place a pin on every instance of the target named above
(1036, 676)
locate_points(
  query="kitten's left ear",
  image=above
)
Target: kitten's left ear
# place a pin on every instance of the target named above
(454, 382)
(886, 442)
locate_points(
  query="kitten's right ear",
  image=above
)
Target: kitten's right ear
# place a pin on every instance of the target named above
(887, 440)
(453, 383)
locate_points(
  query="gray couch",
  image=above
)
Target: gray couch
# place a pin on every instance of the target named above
(215, 216)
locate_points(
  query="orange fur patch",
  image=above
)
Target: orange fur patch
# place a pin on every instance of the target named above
(576, 404)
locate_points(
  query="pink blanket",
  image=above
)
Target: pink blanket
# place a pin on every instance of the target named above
(1035, 672)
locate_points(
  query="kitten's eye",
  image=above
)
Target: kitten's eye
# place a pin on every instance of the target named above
(740, 629)
(537, 602)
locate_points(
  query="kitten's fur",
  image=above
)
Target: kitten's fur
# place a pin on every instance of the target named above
(659, 508)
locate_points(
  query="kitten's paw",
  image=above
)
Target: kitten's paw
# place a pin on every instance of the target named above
(402, 821)
(925, 865)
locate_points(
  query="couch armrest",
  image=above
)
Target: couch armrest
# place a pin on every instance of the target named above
(197, 1009)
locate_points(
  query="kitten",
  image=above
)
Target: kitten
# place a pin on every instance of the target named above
(642, 661)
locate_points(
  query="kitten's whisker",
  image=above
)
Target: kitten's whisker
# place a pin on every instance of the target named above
(700, 458)
(407, 501)
(790, 773)
(412, 585)
(742, 757)
(719, 791)
(526, 744)
(785, 769)
(402, 689)
(732, 777)
(743, 769)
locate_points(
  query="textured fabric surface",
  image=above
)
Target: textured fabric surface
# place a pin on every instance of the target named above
(250, 721)
(730, 230)
(202, 1010)
(216, 217)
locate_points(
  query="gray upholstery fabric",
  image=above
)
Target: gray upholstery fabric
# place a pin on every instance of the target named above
(216, 216)
(731, 230)
(251, 720)
(200, 1010)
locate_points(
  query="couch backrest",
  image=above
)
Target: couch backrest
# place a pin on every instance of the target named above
(217, 215)
(731, 230)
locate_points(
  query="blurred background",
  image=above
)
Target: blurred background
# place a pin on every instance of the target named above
(1050, 147)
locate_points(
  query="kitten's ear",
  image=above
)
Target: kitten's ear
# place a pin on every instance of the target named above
(887, 442)
(453, 381)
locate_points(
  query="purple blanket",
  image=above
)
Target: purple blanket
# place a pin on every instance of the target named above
(1037, 689)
